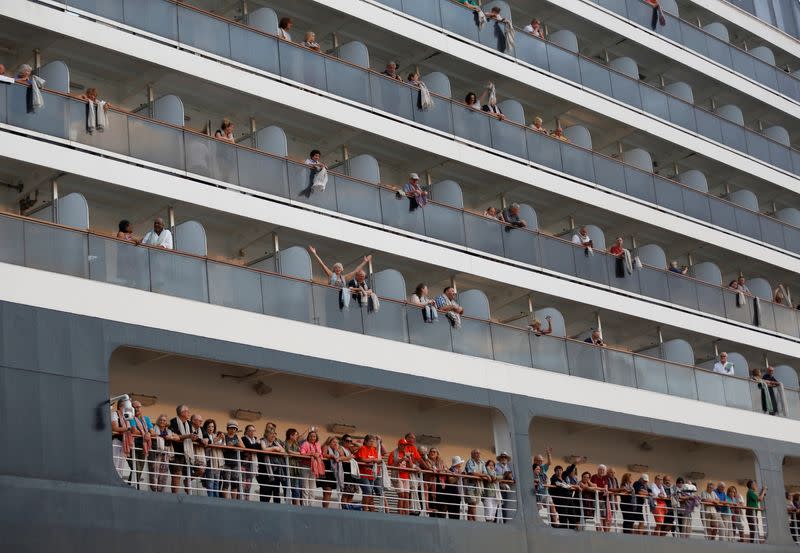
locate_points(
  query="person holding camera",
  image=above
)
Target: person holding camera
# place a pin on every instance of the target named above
(536, 326)
(122, 442)
(403, 459)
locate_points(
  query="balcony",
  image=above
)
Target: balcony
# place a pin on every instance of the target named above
(453, 118)
(84, 254)
(585, 71)
(179, 148)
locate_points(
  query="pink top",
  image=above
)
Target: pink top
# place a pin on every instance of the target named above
(316, 465)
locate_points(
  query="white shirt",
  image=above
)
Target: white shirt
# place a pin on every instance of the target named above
(163, 240)
(529, 29)
(580, 239)
(727, 368)
(284, 35)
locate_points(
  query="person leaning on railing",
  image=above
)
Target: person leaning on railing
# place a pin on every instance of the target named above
(369, 458)
(163, 455)
(271, 468)
(214, 457)
(753, 500)
(231, 474)
(505, 471)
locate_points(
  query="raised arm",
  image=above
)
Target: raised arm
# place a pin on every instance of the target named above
(485, 94)
(325, 268)
(367, 259)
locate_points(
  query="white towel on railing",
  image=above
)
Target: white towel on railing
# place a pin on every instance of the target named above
(628, 261)
(96, 118)
(480, 18)
(37, 100)
(425, 98)
(637, 262)
(320, 180)
(510, 35)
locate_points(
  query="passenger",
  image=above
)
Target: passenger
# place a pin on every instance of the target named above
(349, 471)
(313, 467)
(419, 457)
(492, 500)
(318, 174)
(673, 266)
(659, 496)
(537, 125)
(534, 28)
(601, 482)
(446, 303)
(596, 339)
(613, 499)
(232, 471)
(505, 473)
(337, 277)
(736, 501)
(709, 516)
(754, 501)
(781, 297)
(668, 526)
(538, 459)
(225, 131)
(214, 458)
(587, 495)
(369, 460)
(503, 31)
(488, 102)
(767, 384)
(417, 197)
(251, 444)
(567, 487)
(402, 460)
(159, 237)
(198, 458)
(742, 285)
(125, 232)
(96, 111)
(435, 484)
(582, 239)
(362, 293)
(24, 73)
(536, 327)
(473, 487)
(641, 490)
(540, 487)
(271, 468)
(314, 160)
(427, 305)
(414, 79)
(310, 41)
(724, 510)
(723, 366)
(453, 488)
(332, 453)
(163, 449)
(183, 443)
(492, 213)
(295, 474)
(623, 263)
(121, 439)
(629, 505)
(559, 134)
(471, 99)
(284, 26)
(391, 71)
(512, 218)
(34, 100)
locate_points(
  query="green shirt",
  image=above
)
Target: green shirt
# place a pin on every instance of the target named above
(752, 499)
(470, 2)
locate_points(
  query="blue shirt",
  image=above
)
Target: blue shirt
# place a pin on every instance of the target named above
(148, 425)
(723, 498)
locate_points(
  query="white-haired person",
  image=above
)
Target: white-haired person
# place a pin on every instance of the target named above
(336, 275)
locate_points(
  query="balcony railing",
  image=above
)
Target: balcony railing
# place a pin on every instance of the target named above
(682, 515)
(196, 153)
(585, 71)
(254, 475)
(266, 52)
(710, 46)
(51, 247)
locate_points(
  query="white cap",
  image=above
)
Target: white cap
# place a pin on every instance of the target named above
(456, 460)
(413, 176)
(645, 478)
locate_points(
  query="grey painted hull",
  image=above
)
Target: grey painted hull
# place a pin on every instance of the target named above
(59, 491)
